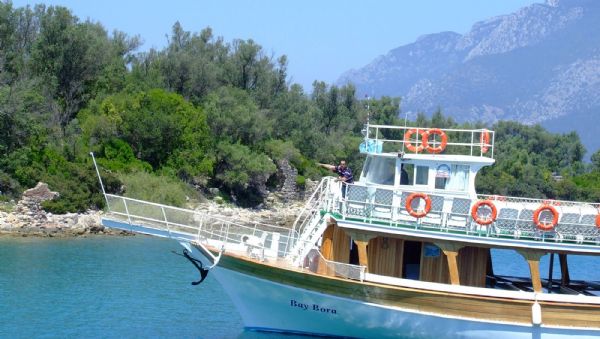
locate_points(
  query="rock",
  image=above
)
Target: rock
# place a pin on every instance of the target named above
(40, 193)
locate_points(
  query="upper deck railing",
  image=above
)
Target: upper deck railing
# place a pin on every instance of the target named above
(488, 216)
(420, 140)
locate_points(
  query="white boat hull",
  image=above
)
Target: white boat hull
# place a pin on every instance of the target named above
(269, 306)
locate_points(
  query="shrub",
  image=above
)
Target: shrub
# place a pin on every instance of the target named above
(157, 188)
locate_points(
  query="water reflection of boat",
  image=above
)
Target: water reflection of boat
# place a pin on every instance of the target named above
(402, 254)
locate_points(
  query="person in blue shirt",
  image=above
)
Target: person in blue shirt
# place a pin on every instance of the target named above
(344, 174)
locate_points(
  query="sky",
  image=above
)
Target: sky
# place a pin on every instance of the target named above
(321, 38)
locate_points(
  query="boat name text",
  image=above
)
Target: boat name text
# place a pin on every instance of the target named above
(313, 307)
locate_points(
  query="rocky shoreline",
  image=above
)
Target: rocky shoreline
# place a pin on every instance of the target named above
(27, 218)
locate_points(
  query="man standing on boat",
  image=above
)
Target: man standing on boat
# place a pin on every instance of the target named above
(344, 174)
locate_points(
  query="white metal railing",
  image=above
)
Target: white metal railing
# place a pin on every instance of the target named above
(258, 240)
(319, 201)
(186, 224)
(388, 138)
(575, 221)
(316, 259)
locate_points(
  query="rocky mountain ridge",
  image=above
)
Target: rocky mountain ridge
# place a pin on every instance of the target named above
(540, 64)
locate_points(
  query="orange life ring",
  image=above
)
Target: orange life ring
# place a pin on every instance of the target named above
(414, 213)
(408, 142)
(539, 224)
(598, 221)
(482, 221)
(439, 148)
(484, 139)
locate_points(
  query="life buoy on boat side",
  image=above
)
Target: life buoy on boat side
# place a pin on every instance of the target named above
(484, 139)
(480, 220)
(543, 226)
(409, 145)
(439, 148)
(598, 221)
(412, 197)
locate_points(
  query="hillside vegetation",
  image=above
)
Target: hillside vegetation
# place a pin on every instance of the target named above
(202, 112)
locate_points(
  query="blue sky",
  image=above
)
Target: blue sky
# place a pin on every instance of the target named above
(322, 38)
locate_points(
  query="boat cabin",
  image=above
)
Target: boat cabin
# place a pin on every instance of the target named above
(414, 213)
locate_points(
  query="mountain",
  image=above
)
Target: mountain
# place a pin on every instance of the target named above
(540, 64)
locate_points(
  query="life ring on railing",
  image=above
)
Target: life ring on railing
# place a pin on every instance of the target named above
(439, 148)
(414, 213)
(408, 142)
(536, 217)
(484, 139)
(482, 221)
(598, 221)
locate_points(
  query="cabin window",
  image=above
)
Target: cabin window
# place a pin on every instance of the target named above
(411, 174)
(422, 175)
(406, 174)
(380, 170)
(452, 177)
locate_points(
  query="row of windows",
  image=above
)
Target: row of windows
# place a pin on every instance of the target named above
(382, 171)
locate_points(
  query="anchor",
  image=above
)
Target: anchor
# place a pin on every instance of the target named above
(203, 271)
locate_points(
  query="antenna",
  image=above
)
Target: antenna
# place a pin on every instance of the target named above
(365, 131)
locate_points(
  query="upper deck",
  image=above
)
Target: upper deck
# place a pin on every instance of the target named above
(428, 142)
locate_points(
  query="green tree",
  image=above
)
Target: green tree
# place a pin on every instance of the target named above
(243, 172)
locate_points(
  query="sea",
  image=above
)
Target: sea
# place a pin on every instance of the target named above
(135, 286)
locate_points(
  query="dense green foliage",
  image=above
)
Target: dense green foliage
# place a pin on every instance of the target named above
(203, 113)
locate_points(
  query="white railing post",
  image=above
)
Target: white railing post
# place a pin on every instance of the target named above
(128, 215)
(100, 179)
(200, 227)
(166, 221)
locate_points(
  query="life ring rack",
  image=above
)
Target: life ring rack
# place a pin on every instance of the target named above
(480, 220)
(443, 142)
(541, 225)
(410, 209)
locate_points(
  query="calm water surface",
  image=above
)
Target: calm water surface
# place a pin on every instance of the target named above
(135, 287)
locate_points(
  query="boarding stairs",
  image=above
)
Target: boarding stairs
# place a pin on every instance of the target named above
(311, 222)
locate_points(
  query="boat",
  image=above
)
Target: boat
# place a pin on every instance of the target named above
(405, 251)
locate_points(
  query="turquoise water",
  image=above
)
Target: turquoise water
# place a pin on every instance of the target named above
(109, 287)
(135, 287)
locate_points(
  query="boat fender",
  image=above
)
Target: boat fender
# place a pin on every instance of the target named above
(409, 145)
(439, 148)
(536, 313)
(410, 209)
(484, 139)
(541, 225)
(197, 263)
(481, 220)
